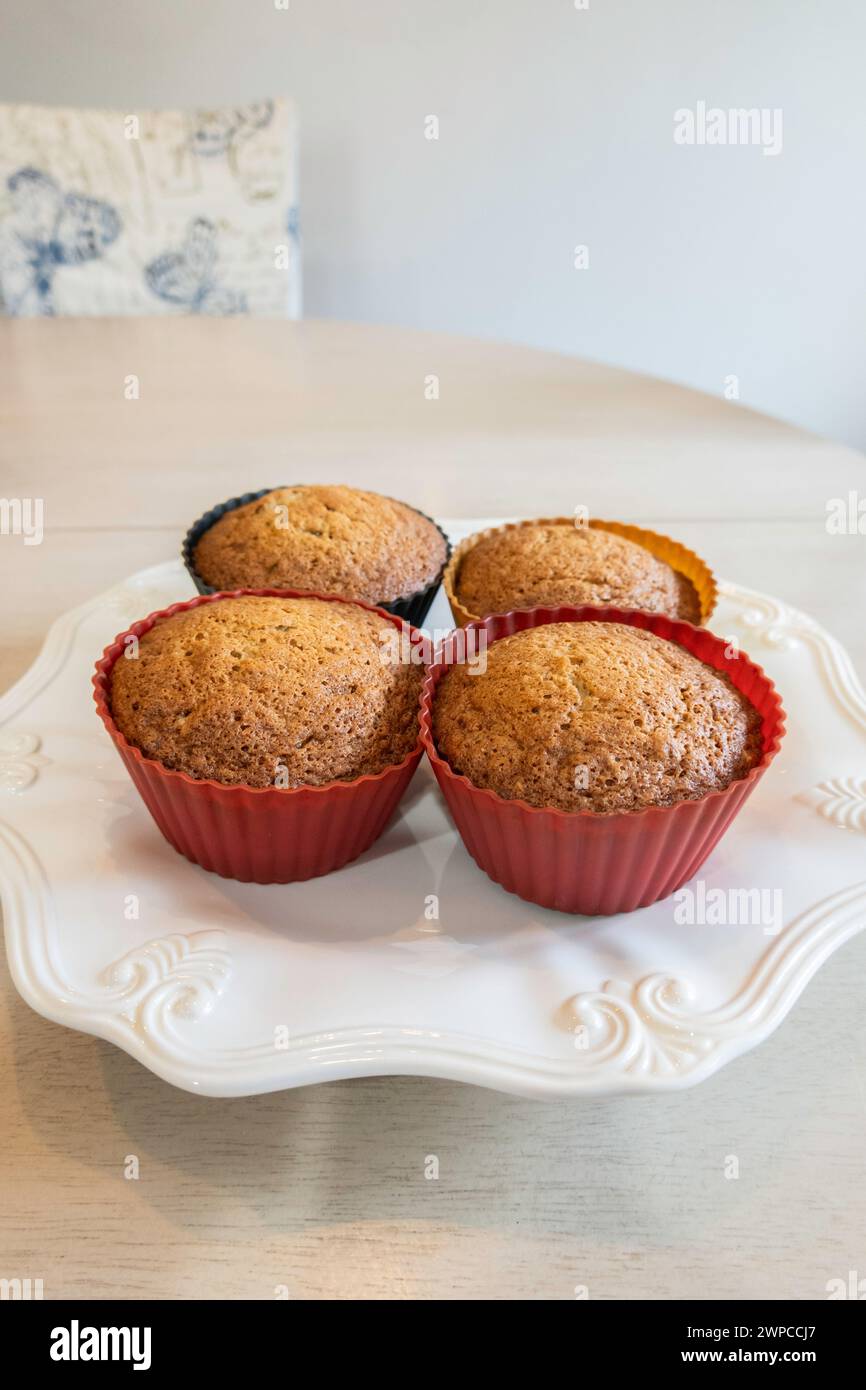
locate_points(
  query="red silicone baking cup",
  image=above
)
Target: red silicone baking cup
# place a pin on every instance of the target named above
(258, 834)
(591, 862)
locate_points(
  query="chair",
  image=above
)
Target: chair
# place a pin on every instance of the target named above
(151, 212)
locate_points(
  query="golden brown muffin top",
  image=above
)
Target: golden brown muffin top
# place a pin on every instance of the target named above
(594, 716)
(328, 539)
(550, 563)
(237, 689)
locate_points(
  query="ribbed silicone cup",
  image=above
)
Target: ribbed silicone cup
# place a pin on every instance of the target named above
(672, 552)
(413, 607)
(585, 861)
(257, 834)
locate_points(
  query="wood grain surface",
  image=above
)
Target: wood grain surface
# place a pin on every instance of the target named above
(322, 1193)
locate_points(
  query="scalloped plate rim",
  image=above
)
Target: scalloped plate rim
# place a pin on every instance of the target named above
(368, 1050)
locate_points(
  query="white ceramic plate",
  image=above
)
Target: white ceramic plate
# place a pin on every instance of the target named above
(231, 989)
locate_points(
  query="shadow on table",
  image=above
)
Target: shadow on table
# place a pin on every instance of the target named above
(295, 1162)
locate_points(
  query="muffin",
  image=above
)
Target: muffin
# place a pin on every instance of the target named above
(325, 539)
(545, 563)
(269, 691)
(594, 716)
(595, 771)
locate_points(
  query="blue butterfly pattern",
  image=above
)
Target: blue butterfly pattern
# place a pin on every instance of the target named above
(47, 229)
(217, 132)
(187, 277)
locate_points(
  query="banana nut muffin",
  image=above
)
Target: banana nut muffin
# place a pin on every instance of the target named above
(594, 716)
(330, 539)
(549, 563)
(243, 689)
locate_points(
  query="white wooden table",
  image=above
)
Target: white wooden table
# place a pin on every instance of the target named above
(323, 1190)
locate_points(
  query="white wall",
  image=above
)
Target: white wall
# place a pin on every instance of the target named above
(556, 128)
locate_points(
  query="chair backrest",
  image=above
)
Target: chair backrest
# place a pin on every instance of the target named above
(149, 212)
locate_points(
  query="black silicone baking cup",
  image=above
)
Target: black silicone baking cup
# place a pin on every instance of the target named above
(413, 608)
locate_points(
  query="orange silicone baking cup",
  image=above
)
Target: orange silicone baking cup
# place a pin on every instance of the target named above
(672, 552)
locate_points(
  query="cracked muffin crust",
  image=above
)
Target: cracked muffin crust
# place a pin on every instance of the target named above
(552, 563)
(329, 539)
(238, 689)
(590, 716)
